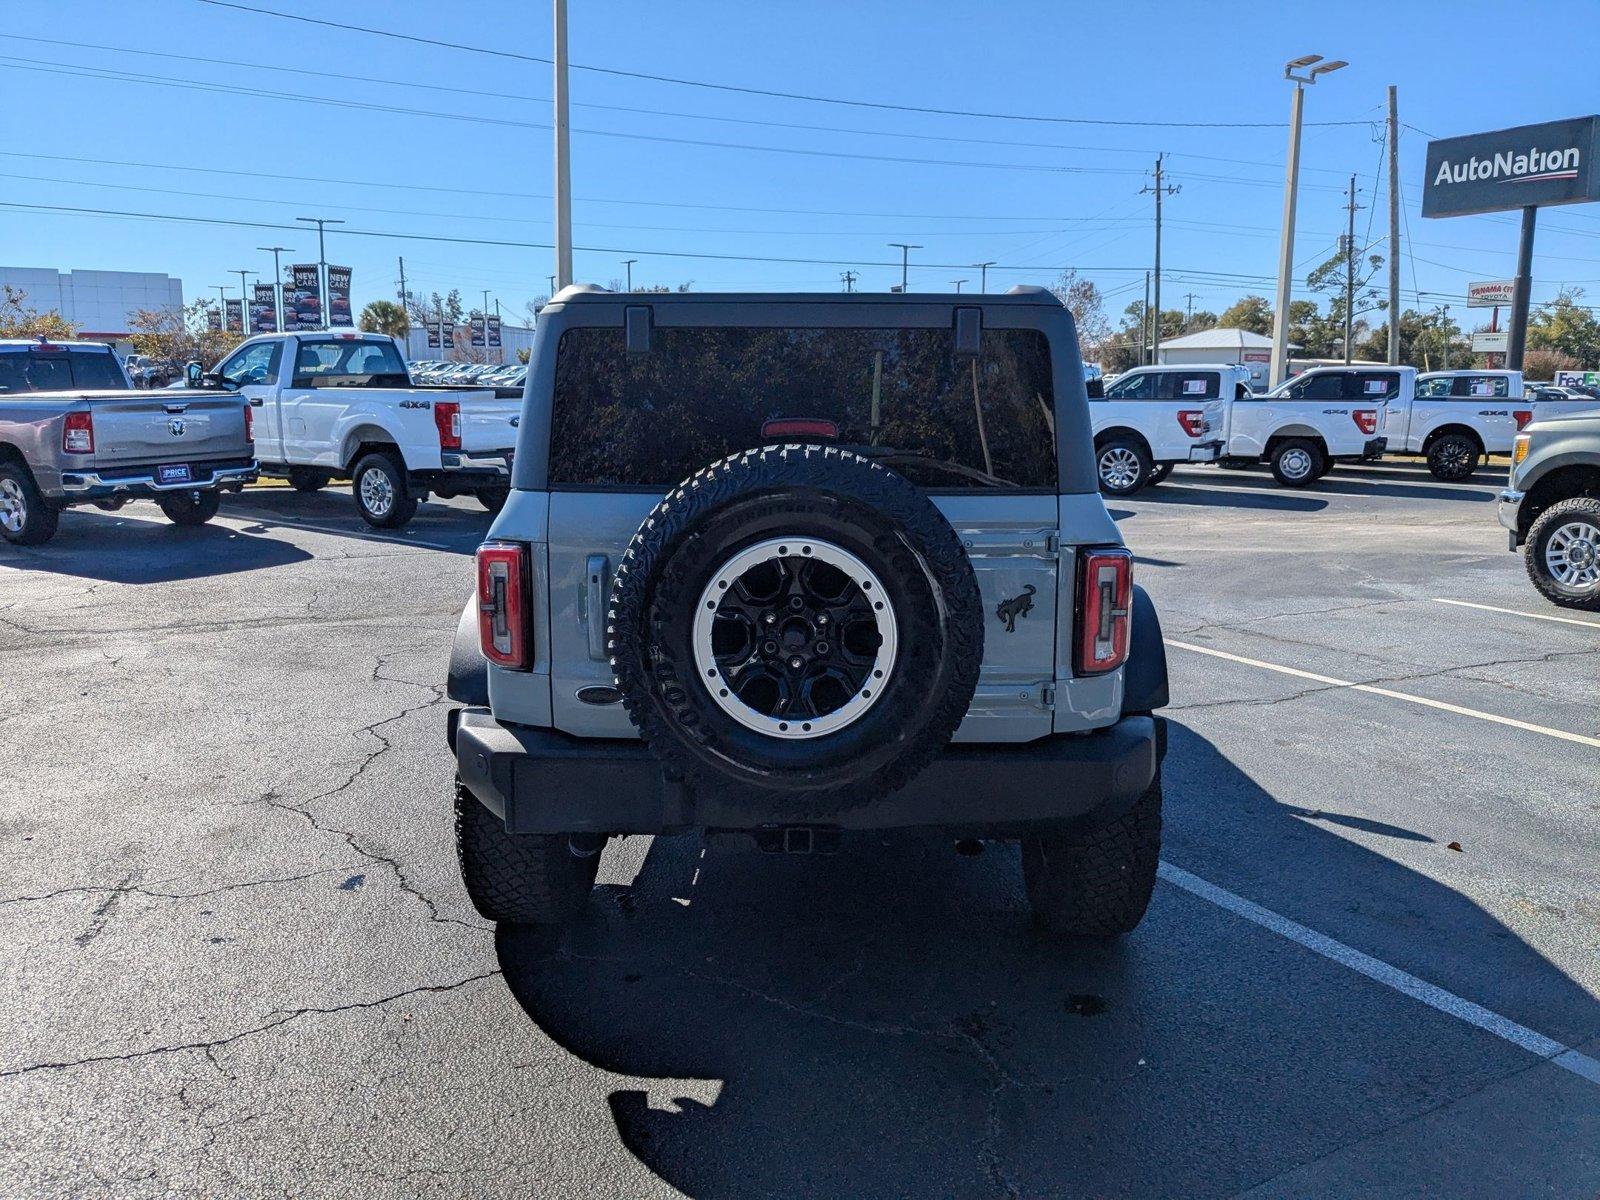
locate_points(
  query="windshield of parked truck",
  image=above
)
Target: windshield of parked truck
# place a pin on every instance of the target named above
(903, 395)
(58, 369)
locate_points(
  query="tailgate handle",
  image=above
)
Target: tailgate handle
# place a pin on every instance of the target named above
(596, 591)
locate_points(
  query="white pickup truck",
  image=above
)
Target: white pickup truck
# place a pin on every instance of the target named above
(342, 403)
(1455, 418)
(1153, 417)
(1305, 424)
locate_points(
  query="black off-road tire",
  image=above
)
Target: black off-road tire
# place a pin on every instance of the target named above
(1297, 462)
(403, 504)
(1132, 455)
(1453, 458)
(309, 479)
(1096, 883)
(796, 491)
(1583, 510)
(493, 498)
(190, 508)
(36, 523)
(523, 878)
(1158, 473)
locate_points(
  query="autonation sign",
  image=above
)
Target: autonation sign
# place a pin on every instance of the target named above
(1553, 163)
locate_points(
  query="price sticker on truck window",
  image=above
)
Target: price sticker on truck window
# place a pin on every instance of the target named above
(1376, 387)
(1194, 387)
(1482, 387)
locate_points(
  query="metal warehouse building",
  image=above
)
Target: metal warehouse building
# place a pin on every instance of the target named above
(98, 302)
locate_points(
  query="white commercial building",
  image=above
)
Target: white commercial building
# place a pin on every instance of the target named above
(1223, 346)
(97, 302)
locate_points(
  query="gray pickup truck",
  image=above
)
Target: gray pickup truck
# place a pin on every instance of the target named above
(787, 567)
(1551, 506)
(74, 431)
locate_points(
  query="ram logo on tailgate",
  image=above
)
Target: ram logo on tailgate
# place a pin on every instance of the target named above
(176, 426)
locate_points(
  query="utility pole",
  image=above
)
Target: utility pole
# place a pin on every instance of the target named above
(1444, 332)
(244, 299)
(322, 260)
(277, 280)
(958, 283)
(905, 260)
(1159, 189)
(983, 274)
(1394, 228)
(405, 296)
(1350, 271)
(563, 152)
(849, 278)
(552, 285)
(1291, 187)
(628, 263)
(1144, 320)
(1188, 310)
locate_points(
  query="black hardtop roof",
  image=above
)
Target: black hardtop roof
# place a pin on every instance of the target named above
(585, 293)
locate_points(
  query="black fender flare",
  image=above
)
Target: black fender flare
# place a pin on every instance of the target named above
(1144, 677)
(467, 679)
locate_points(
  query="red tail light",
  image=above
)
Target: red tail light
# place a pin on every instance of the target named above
(447, 416)
(1523, 416)
(77, 435)
(1366, 419)
(1193, 421)
(1105, 609)
(249, 424)
(812, 427)
(502, 611)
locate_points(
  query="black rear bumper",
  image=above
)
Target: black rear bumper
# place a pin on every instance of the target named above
(541, 781)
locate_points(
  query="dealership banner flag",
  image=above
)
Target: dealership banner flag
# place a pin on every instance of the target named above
(479, 333)
(494, 333)
(339, 296)
(433, 336)
(214, 320)
(302, 302)
(263, 312)
(235, 316)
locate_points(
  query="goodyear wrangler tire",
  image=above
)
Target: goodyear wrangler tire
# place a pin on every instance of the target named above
(796, 628)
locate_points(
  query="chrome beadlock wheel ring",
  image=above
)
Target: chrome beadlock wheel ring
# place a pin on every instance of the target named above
(795, 637)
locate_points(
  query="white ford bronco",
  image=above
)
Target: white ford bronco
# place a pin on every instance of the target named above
(787, 567)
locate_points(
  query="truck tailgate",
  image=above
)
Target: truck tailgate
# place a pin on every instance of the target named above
(140, 428)
(487, 423)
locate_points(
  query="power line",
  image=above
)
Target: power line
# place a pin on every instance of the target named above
(750, 91)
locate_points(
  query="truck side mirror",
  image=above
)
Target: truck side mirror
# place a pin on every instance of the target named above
(1096, 388)
(193, 373)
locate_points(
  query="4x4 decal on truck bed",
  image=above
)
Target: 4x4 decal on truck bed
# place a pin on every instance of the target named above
(1018, 606)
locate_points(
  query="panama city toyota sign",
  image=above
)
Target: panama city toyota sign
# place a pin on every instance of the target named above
(1536, 165)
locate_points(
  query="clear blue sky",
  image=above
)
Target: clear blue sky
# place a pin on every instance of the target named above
(1460, 67)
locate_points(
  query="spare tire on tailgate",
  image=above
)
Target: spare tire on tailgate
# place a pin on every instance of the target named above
(797, 627)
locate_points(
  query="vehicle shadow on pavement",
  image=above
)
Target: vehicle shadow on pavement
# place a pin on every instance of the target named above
(1352, 485)
(121, 548)
(886, 1021)
(1195, 492)
(332, 513)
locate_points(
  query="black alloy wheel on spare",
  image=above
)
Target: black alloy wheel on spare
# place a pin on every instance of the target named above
(798, 627)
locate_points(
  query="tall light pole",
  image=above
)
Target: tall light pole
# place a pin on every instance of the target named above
(322, 260)
(1291, 186)
(222, 304)
(983, 274)
(244, 298)
(563, 152)
(957, 283)
(628, 265)
(905, 260)
(277, 280)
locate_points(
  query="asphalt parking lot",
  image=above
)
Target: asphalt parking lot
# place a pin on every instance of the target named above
(235, 956)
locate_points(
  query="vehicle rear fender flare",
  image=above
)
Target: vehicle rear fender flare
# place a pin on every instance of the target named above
(1118, 433)
(362, 440)
(467, 677)
(1144, 677)
(1286, 432)
(1466, 431)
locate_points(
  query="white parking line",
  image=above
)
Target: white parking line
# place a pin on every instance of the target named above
(1390, 976)
(1581, 739)
(1514, 612)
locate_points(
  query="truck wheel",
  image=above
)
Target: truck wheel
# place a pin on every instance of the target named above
(1453, 458)
(1097, 882)
(383, 497)
(1160, 472)
(1124, 466)
(527, 879)
(190, 508)
(309, 479)
(796, 628)
(26, 518)
(493, 498)
(1563, 553)
(1297, 462)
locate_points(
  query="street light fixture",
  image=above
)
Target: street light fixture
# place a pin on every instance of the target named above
(277, 281)
(322, 260)
(905, 260)
(1291, 187)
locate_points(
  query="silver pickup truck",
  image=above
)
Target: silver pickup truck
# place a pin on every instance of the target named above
(73, 431)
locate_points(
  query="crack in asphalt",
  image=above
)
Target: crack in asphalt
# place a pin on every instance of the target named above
(126, 887)
(277, 1020)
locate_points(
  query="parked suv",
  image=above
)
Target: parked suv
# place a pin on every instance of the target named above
(1551, 506)
(791, 566)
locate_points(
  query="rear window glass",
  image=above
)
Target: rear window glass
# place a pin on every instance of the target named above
(1345, 385)
(348, 361)
(901, 396)
(59, 370)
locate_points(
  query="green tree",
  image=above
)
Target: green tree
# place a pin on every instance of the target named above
(1329, 281)
(19, 319)
(1250, 313)
(1567, 327)
(385, 316)
(180, 335)
(1083, 300)
(1423, 339)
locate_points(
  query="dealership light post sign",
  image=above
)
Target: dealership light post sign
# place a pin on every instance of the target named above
(1523, 168)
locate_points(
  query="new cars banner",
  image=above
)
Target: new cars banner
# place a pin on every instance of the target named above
(235, 316)
(433, 336)
(479, 333)
(214, 320)
(339, 296)
(494, 333)
(263, 310)
(302, 303)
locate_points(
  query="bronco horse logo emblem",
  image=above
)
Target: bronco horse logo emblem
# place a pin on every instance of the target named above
(1018, 606)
